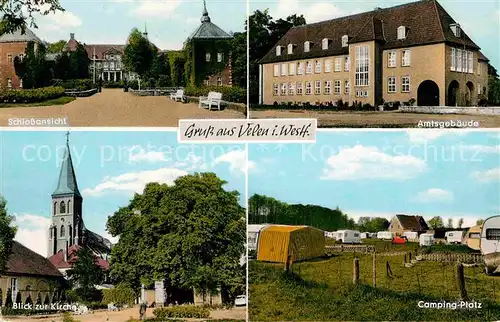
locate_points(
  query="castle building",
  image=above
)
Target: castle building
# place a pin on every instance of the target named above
(412, 52)
(210, 52)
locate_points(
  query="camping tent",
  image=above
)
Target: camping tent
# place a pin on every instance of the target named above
(277, 242)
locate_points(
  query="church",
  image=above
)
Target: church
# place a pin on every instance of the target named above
(68, 233)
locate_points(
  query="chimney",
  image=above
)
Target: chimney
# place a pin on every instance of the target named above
(72, 36)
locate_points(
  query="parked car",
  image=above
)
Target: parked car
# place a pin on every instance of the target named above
(241, 300)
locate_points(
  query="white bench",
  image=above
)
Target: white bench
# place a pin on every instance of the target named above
(213, 99)
(178, 96)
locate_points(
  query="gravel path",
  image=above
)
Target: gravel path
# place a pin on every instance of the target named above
(113, 107)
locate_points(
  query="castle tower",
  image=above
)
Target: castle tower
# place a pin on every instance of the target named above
(67, 223)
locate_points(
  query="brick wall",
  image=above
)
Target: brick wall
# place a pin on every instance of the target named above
(7, 67)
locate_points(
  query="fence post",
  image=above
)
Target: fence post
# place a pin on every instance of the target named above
(461, 281)
(355, 273)
(374, 270)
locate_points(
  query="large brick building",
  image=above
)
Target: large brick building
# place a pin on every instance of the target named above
(412, 51)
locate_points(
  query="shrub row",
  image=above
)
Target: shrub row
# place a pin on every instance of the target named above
(331, 106)
(119, 84)
(31, 95)
(233, 94)
(182, 311)
(9, 311)
(120, 295)
(74, 84)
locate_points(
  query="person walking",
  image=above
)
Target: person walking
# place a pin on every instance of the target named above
(142, 310)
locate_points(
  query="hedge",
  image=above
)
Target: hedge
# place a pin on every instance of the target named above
(119, 84)
(182, 311)
(74, 84)
(9, 311)
(31, 95)
(120, 295)
(338, 106)
(233, 94)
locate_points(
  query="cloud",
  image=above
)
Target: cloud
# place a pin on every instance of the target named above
(487, 176)
(482, 148)
(156, 8)
(421, 136)
(313, 12)
(134, 181)
(360, 162)
(237, 161)
(32, 232)
(142, 155)
(434, 195)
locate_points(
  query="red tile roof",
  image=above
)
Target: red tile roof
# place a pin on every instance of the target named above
(24, 261)
(58, 259)
(101, 50)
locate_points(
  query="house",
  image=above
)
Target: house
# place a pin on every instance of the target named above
(415, 51)
(402, 223)
(28, 277)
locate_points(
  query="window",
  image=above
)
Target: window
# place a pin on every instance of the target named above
(328, 65)
(475, 235)
(455, 28)
(391, 84)
(453, 59)
(405, 84)
(493, 234)
(401, 32)
(338, 64)
(317, 66)
(391, 59)
(14, 288)
(464, 61)
(470, 63)
(406, 58)
(317, 87)
(300, 69)
(207, 57)
(459, 60)
(219, 81)
(324, 43)
(362, 66)
(347, 86)
(283, 69)
(9, 58)
(290, 49)
(345, 41)
(328, 87)
(308, 67)
(9, 82)
(276, 89)
(21, 83)
(299, 88)
(291, 89)
(308, 88)
(307, 46)
(478, 89)
(347, 64)
(337, 86)
(278, 50)
(276, 70)
(220, 57)
(62, 232)
(112, 65)
(206, 82)
(291, 68)
(283, 89)
(21, 56)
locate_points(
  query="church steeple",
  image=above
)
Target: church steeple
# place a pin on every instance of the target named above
(67, 183)
(204, 15)
(145, 33)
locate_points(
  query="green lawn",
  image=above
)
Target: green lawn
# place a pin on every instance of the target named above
(57, 101)
(322, 290)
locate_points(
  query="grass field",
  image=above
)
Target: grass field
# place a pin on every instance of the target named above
(322, 290)
(57, 101)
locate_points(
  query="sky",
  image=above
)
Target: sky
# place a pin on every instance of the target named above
(380, 174)
(169, 22)
(479, 19)
(110, 167)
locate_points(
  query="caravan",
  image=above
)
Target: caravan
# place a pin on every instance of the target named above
(348, 236)
(490, 244)
(453, 237)
(411, 236)
(253, 232)
(387, 235)
(426, 240)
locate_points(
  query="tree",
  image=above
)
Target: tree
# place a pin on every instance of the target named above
(139, 53)
(17, 14)
(56, 47)
(7, 234)
(62, 69)
(239, 59)
(479, 222)
(436, 222)
(85, 274)
(450, 223)
(33, 69)
(493, 90)
(177, 60)
(190, 234)
(79, 63)
(460, 222)
(160, 70)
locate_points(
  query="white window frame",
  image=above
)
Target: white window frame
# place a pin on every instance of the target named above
(464, 61)
(14, 288)
(345, 41)
(362, 71)
(401, 32)
(300, 88)
(219, 81)
(308, 67)
(10, 58)
(337, 87)
(455, 28)
(328, 65)
(276, 70)
(291, 68)
(291, 89)
(406, 58)
(208, 57)
(317, 87)
(392, 59)
(347, 86)
(470, 63)
(459, 60)
(276, 89)
(478, 88)
(405, 87)
(308, 88)
(300, 68)
(328, 88)
(307, 46)
(20, 83)
(9, 82)
(391, 84)
(220, 57)
(325, 43)
(283, 89)
(453, 59)
(290, 49)
(338, 64)
(278, 50)
(317, 66)
(283, 69)
(347, 63)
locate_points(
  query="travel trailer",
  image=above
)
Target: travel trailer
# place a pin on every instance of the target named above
(348, 236)
(331, 234)
(490, 244)
(426, 239)
(473, 237)
(453, 237)
(253, 232)
(410, 235)
(387, 235)
(363, 235)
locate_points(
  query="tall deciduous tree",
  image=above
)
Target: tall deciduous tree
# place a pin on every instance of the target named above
(436, 222)
(239, 59)
(33, 69)
(190, 234)
(450, 223)
(139, 53)
(56, 47)
(7, 234)
(85, 274)
(460, 222)
(15, 14)
(479, 222)
(177, 60)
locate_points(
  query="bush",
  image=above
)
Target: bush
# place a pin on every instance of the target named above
(162, 81)
(233, 94)
(182, 311)
(9, 311)
(133, 84)
(74, 84)
(120, 295)
(113, 84)
(31, 95)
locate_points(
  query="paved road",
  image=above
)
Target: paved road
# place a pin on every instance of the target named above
(113, 107)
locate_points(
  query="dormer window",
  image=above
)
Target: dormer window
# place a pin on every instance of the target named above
(401, 32)
(307, 46)
(455, 28)
(324, 44)
(345, 41)
(290, 49)
(278, 50)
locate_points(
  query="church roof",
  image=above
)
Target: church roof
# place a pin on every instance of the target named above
(18, 36)
(58, 261)
(24, 261)
(67, 180)
(207, 29)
